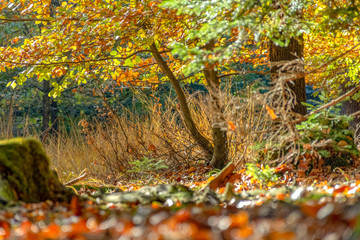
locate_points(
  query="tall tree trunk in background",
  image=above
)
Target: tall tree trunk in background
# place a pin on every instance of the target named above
(50, 109)
(350, 106)
(293, 51)
(54, 116)
(46, 106)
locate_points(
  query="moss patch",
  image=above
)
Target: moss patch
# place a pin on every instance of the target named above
(25, 174)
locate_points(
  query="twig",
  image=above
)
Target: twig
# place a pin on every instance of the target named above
(355, 114)
(335, 58)
(335, 101)
(71, 182)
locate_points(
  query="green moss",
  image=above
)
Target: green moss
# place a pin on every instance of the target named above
(25, 167)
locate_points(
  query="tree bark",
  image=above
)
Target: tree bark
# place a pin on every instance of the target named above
(293, 51)
(46, 106)
(50, 110)
(350, 106)
(25, 174)
(189, 122)
(54, 116)
(219, 128)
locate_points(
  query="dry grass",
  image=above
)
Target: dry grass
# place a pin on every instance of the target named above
(106, 149)
(161, 135)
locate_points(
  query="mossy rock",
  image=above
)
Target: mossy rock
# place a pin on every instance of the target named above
(25, 174)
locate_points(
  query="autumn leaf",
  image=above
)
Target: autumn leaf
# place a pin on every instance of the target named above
(232, 126)
(271, 112)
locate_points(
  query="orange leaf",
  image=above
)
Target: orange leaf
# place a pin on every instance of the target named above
(271, 112)
(240, 219)
(155, 205)
(311, 208)
(152, 148)
(243, 232)
(75, 206)
(5, 233)
(51, 232)
(281, 235)
(232, 125)
(342, 143)
(15, 40)
(307, 146)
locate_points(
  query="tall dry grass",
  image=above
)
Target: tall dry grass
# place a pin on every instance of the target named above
(160, 134)
(69, 153)
(107, 149)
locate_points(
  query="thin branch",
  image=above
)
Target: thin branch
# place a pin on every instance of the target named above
(298, 75)
(191, 75)
(332, 103)
(243, 73)
(355, 114)
(81, 61)
(334, 59)
(25, 20)
(47, 20)
(74, 87)
(72, 182)
(37, 87)
(335, 101)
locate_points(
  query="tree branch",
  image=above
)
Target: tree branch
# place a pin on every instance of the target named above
(335, 101)
(45, 19)
(81, 61)
(334, 59)
(243, 73)
(332, 103)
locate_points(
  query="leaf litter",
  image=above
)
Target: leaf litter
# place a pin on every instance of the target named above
(185, 207)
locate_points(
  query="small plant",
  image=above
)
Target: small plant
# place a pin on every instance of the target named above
(147, 165)
(323, 139)
(264, 175)
(326, 135)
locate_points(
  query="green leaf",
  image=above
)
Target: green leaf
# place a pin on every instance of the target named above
(324, 153)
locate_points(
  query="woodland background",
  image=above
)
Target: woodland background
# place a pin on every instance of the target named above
(232, 119)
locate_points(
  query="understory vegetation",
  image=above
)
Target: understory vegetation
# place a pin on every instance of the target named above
(113, 148)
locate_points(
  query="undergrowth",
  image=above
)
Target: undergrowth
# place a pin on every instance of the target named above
(125, 143)
(130, 147)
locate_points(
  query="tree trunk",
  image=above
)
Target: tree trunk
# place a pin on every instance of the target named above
(46, 106)
(219, 127)
(54, 116)
(49, 106)
(189, 122)
(293, 51)
(350, 106)
(25, 174)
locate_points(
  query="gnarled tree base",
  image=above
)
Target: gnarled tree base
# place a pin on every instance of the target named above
(25, 174)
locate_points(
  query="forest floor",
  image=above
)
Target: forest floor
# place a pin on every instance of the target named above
(242, 206)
